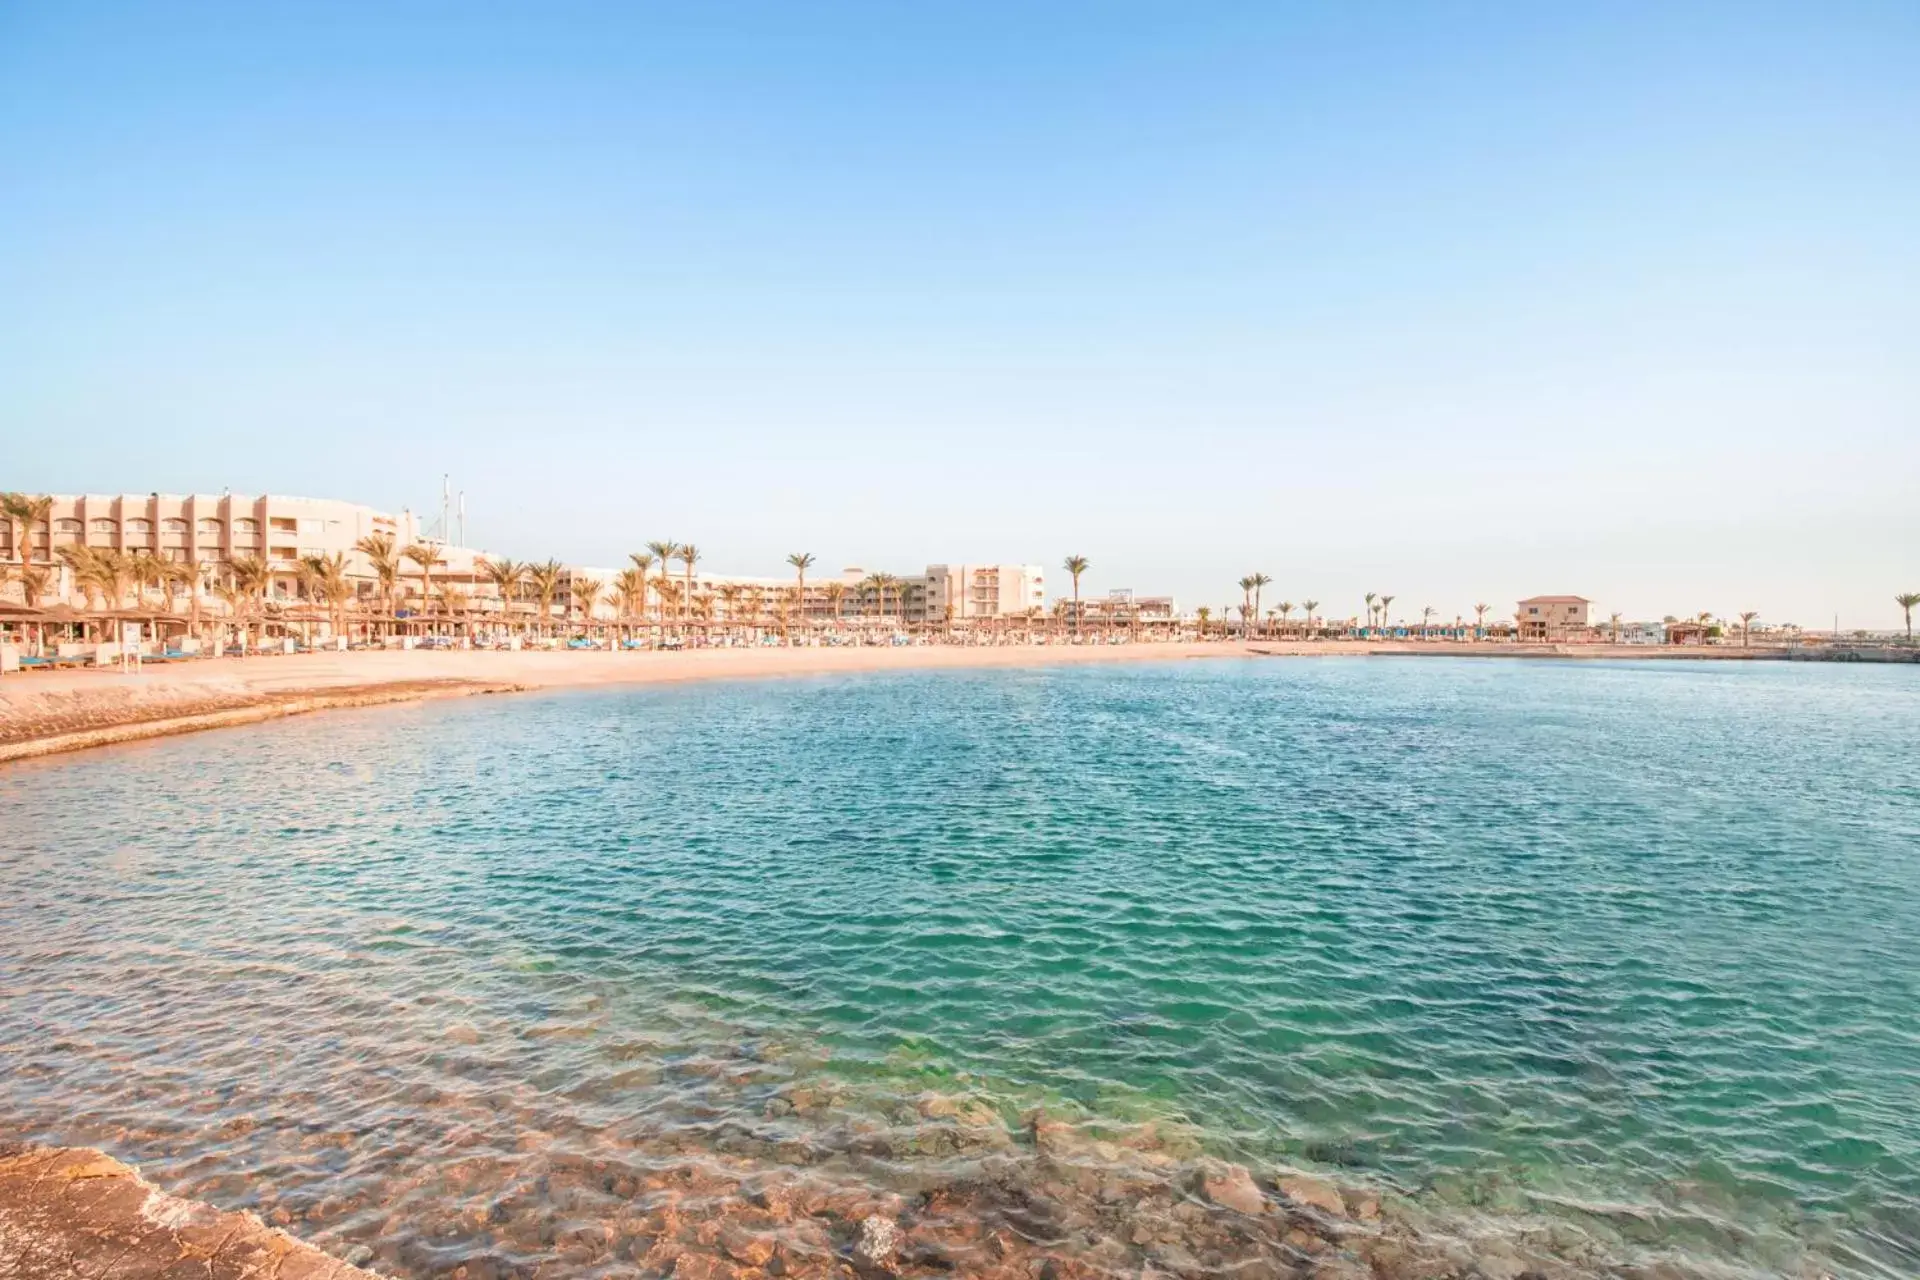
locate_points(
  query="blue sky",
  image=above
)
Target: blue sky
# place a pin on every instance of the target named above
(1193, 290)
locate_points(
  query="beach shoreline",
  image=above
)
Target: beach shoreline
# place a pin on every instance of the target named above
(53, 713)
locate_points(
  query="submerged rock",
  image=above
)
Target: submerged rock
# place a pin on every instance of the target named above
(1323, 1196)
(878, 1243)
(1234, 1188)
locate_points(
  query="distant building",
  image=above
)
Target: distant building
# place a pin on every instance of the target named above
(1121, 607)
(212, 530)
(1553, 618)
(982, 591)
(1687, 632)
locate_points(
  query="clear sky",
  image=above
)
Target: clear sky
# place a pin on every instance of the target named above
(1455, 301)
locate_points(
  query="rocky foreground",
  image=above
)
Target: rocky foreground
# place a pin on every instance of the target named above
(1064, 1208)
(75, 1214)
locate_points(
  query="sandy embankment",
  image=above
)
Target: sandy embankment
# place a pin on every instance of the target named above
(42, 713)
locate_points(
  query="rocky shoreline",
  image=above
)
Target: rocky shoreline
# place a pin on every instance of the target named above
(76, 1214)
(1045, 1201)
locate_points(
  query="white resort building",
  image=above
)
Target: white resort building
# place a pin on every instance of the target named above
(208, 530)
(210, 533)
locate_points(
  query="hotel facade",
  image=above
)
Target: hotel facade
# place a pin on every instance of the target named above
(212, 530)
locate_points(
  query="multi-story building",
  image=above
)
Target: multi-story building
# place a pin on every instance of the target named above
(1121, 607)
(212, 531)
(209, 529)
(1553, 618)
(963, 591)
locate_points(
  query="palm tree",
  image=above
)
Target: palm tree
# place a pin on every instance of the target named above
(1906, 600)
(1426, 618)
(36, 578)
(544, 579)
(23, 512)
(1385, 601)
(667, 590)
(379, 550)
(730, 593)
(836, 592)
(1286, 607)
(1259, 580)
(199, 583)
(1075, 566)
(883, 583)
(801, 562)
(1480, 616)
(39, 511)
(586, 594)
(1205, 615)
(236, 598)
(13, 509)
(100, 569)
(688, 555)
(642, 561)
(306, 577)
(165, 576)
(144, 568)
(453, 602)
(335, 588)
(80, 562)
(663, 552)
(1308, 606)
(424, 555)
(1246, 599)
(1370, 599)
(1615, 620)
(1746, 626)
(247, 580)
(630, 592)
(506, 576)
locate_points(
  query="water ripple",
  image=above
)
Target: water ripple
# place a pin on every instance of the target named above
(1629, 951)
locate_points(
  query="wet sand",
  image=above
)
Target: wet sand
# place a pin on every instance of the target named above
(45, 713)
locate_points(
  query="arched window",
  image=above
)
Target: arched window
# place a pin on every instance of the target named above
(209, 528)
(66, 526)
(173, 526)
(105, 526)
(139, 526)
(244, 525)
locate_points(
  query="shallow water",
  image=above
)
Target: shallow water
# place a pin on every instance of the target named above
(1623, 958)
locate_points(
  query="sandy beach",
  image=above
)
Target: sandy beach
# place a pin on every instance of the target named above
(47, 713)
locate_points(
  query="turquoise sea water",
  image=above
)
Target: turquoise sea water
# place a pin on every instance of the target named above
(1629, 947)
